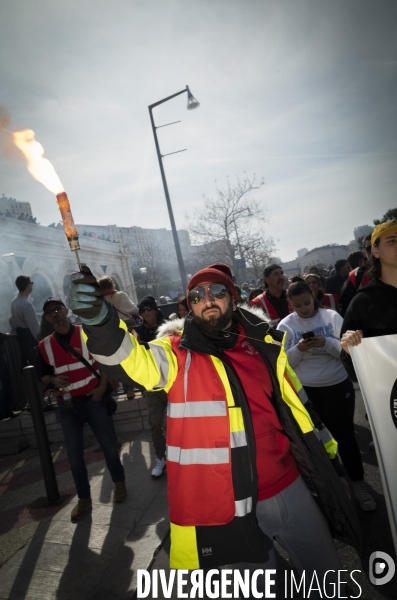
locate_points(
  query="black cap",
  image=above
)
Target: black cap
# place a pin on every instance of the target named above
(147, 301)
(269, 269)
(51, 299)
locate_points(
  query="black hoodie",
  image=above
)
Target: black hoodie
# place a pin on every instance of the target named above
(373, 310)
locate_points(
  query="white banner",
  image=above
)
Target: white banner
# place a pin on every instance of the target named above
(375, 362)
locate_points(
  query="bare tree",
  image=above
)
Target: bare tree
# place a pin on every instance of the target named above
(228, 220)
(257, 253)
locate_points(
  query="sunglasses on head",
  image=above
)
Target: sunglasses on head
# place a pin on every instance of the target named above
(216, 291)
(146, 309)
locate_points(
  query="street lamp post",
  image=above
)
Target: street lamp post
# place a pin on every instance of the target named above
(191, 104)
(143, 271)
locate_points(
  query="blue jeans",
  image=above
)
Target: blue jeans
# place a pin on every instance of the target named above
(293, 518)
(85, 410)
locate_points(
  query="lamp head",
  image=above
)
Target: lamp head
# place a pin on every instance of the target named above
(192, 103)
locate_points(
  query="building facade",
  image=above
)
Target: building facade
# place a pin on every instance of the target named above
(44, 254)
(144, 246)
(323, 256)
(362, 230)
(16, 209)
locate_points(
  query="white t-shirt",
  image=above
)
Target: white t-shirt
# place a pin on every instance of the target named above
(125, 308)
(318, 367)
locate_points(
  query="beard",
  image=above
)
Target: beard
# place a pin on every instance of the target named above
(215, 323)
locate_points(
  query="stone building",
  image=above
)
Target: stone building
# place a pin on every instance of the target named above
(15, 208)
(318, 257)
(145, 246)
(43, 254)
(362, 230)
(324, 256)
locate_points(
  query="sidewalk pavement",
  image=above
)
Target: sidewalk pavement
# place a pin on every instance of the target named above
(45, 556)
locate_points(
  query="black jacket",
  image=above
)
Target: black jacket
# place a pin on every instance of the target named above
(373, 311)
(349, 290)
(315, 467)
(334, 284)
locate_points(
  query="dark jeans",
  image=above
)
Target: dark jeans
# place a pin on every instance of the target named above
(5, 388)
(157, 408)
(85, 410)
(334, 405)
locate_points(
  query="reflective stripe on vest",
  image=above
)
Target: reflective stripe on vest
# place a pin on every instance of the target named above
(80, 384)
(207, 408)
(238, 439)
(324, 435)
(86, 377)
(198, 456)
(243, 507)
(267, 307)
(123, 355)
(330, 301)
(263, 302)
(123, 352)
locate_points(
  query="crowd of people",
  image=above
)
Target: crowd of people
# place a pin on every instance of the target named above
(21, 217)
(99, 236)
(256, 383)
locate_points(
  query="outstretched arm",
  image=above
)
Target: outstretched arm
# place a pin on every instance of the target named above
(119, 354)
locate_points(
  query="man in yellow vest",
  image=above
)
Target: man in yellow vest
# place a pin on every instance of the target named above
(245, 452)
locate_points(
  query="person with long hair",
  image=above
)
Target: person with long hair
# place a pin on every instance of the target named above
(313, 349)
(182, 309)
(328, 300)
(373, 311)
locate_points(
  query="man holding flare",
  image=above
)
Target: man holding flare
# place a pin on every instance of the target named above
(246, 453)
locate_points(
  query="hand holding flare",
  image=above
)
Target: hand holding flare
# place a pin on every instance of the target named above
(44, 172)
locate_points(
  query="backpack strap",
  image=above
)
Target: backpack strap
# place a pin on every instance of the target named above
(76, 354)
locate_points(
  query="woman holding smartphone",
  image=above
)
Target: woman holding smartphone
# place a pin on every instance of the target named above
(313, 348)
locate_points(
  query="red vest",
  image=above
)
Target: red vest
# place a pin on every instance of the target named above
(81, 380)
(353, 278)
(264, 303)
(199, 470)
(330, 301)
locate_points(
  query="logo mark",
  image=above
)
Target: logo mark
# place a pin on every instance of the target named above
(393, 403)
(381, 568)
(206, 551)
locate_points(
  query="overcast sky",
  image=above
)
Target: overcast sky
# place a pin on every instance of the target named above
(300, 92)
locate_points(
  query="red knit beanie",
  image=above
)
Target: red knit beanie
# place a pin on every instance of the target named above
(216, 273)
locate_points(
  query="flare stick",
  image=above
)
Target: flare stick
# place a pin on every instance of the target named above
(68, 224)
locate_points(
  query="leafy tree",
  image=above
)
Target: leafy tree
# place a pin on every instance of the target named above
(389, 214)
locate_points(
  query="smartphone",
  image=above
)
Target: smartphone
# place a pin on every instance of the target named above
(308, 335)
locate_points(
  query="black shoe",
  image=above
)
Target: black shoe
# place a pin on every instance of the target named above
(10, 415)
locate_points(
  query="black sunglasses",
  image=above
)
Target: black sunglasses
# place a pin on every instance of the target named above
(368, 248)
(216, 291)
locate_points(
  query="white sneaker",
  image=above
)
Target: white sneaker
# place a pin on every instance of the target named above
(365, 499)
(159, 467)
